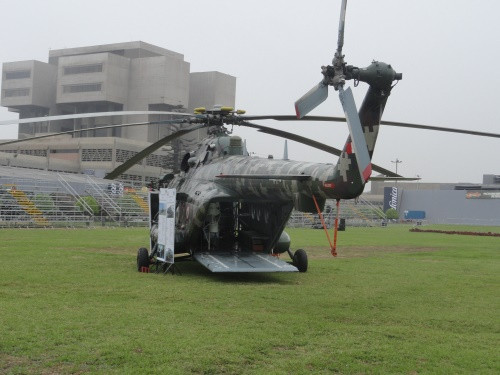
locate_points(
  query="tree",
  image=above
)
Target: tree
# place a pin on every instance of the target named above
(391, 213)
(91, 202)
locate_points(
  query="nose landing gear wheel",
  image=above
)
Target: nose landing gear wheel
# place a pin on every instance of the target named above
(142, 258)
(300, 260)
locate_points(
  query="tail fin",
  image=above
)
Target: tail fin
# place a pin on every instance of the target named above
(353, 168)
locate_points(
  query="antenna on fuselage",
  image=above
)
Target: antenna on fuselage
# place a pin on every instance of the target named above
(285, 151)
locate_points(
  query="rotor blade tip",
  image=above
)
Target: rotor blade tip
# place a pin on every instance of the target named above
(297, 112)
(367, 172)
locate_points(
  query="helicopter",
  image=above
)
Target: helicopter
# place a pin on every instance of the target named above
(228, 210)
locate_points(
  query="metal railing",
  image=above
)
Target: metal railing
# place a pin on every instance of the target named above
(33, 198)
(106, 203)
(359, 212)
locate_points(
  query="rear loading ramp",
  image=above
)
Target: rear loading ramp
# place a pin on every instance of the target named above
(243, 262)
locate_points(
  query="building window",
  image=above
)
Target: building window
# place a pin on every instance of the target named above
(28, 152)
(18, 74)
(64, 151)
(123, 155)
(97, 154)
(154, 160)
(82, 69)
(130, 177)
(85, 87)
(10, 93)
(34, 152)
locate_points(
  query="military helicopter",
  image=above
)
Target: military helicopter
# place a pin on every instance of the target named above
(231, 209)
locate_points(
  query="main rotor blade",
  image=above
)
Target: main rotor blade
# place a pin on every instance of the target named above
(294, 118)
(148, 150)
(90, 129)
(310, 142)
(311, 99)
(384, 178)
(293, 137)
(388, 123)
(87, 115)
(438, 128)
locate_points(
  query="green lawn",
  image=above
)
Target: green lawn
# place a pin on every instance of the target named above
(71, 301)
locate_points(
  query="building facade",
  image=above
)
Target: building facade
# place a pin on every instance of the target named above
(132, 76)
(445, 203)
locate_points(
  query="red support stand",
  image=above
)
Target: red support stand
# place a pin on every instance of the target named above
(145, 269)
(333, 246)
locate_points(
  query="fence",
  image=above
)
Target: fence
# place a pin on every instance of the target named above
(33, 198)
(356, 212)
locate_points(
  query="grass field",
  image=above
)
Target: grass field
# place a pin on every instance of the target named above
(71, 301)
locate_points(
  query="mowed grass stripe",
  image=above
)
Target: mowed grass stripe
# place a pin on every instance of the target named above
(392, 302)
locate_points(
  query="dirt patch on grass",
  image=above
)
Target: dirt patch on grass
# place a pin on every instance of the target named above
(364, 251)
(9, 362)
(23, 365)
(107, 250)
(463, 233)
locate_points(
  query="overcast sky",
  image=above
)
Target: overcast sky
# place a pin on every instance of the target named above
(447, 50)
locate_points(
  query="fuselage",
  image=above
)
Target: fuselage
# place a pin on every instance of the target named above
(256, 194)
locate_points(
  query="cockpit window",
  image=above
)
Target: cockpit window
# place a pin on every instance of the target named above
(235, 145)
(184, 162)
(207, 157)
(230, 145)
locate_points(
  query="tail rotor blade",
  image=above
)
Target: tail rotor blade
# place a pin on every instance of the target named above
(311, 99)
(340, 40)
(356, 131)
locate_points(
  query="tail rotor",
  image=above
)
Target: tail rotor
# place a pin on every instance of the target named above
(335, 75)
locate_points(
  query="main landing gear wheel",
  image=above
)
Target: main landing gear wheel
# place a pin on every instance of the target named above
(142, 258)
(300, 260)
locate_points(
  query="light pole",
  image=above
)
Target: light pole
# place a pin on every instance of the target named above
(397, 161)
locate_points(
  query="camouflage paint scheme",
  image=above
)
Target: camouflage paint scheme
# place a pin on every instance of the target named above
(264, 191)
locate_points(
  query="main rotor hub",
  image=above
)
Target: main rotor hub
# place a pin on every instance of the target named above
(217, 116)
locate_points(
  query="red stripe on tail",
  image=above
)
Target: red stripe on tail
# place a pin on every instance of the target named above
(297, 110)
(367, 172)
(348, 148)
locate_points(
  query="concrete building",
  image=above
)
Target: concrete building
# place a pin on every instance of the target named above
(453, 206)
(445, 203)
(133, 76)
(91, 155)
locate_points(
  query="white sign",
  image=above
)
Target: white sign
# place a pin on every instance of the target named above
(166, 225)
(393, 203)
